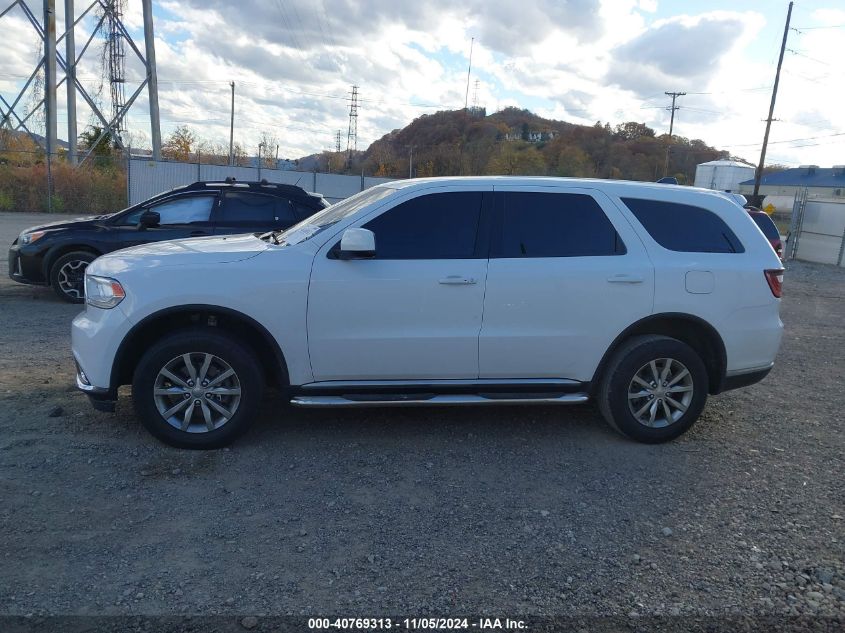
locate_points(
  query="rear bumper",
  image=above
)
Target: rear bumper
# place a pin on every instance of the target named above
(743, 379)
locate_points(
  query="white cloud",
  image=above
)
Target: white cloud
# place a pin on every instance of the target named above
(294, 61)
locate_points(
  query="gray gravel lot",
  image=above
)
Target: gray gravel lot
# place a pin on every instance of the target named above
(430, 511)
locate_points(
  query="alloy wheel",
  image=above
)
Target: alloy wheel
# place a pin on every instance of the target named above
(71, 278)
(197, 392)
(660, 392)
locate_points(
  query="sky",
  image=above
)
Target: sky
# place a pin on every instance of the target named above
(294, 62)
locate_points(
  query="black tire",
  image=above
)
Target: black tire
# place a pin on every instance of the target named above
(67, 275)
(197, 343)
(634, 356)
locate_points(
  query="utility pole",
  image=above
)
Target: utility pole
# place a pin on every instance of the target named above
(469, 70)
(673, 107)
(411, 162)
(232, 128)
(759, 175)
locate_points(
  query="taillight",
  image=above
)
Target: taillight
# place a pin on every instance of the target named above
(775, 279)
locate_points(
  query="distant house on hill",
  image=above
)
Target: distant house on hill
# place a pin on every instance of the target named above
(532, 136)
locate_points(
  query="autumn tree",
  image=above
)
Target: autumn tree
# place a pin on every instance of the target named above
(92, 136)
(517, 159)
(269, 148)
(180, 144)
(573, 161)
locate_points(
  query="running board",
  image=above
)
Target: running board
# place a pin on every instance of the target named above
(423, 400)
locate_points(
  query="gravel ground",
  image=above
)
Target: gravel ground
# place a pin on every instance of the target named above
(503, 511)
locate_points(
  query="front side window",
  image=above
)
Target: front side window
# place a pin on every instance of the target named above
(683, 227)
(185, 210)
(538, 224)
(433, 226)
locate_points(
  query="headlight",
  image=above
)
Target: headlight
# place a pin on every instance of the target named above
(29, 238)
(102, 292)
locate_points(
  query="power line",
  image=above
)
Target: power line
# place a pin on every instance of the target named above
(818, 28)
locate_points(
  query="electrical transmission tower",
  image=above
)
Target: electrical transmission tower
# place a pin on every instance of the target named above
(337, 142)
(475, 95)
(352, 134)
(52, 61)
(115, 55)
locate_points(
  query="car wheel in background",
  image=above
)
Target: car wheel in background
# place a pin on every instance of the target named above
(654, 389)
(67, 275)
(197, 389)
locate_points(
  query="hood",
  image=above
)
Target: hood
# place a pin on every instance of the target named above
(65, 224)
(199, 251)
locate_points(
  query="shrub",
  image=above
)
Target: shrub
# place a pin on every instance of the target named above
(87, 189)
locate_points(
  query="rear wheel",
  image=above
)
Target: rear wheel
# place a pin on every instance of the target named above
(654, 389)
(197, 389)
(67, 275)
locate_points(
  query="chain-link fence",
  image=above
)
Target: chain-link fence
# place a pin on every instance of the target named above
(817, 230)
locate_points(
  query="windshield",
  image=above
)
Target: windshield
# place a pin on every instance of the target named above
(332, 215)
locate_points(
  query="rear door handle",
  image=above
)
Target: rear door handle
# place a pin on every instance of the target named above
(457, 280)
(624, 278)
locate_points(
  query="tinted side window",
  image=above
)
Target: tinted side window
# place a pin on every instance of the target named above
(770, 230)
(302, 211)
(255, 209)
(434, 226)
(555, 225)
(185, 210)
(683, 227)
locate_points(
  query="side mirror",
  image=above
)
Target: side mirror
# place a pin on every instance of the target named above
(357, 244)
(149, 220)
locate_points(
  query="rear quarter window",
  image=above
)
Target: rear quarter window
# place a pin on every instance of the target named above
(683, 227)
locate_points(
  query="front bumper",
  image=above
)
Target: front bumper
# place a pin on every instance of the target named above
(95, 338)
(26, 268)
(101, 399)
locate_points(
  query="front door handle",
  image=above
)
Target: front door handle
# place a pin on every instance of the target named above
(624, 278)
(457, 280)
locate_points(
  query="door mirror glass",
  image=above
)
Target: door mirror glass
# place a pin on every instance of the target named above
(149, 220)
(357, 244)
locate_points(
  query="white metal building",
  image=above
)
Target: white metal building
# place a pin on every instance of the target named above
(722, 175)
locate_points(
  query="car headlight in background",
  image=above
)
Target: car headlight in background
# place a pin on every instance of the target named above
(29, 238)
(103, 292)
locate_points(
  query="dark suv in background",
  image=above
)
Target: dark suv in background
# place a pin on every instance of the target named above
(57, 254)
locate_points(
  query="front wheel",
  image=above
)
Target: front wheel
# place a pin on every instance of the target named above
(654, 389)
(197, 389)
(67, 275)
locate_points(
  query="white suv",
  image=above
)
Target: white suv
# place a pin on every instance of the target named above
(644, 297)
